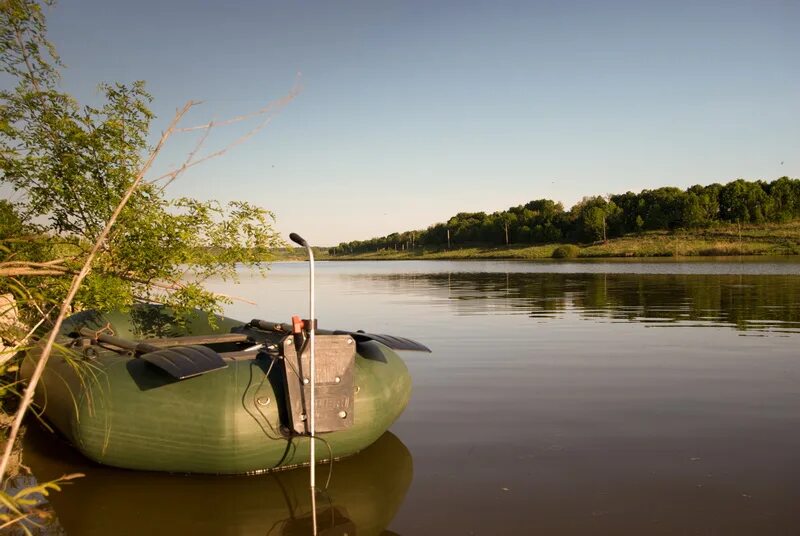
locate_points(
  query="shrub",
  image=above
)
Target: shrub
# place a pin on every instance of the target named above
(568, 251)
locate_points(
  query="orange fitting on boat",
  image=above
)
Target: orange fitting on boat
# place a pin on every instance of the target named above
(297, 325)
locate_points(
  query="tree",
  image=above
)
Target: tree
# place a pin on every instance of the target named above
(693, 213)
(631, 206)
(592, 215)
(743, 201)
(505, 220)
(664, 207)
(701, 207)
(89, 230)
(784, 194)
(598, 218)
(71, 165)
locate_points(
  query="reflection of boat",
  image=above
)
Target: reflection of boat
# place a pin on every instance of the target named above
(228, 399)
(364, 494)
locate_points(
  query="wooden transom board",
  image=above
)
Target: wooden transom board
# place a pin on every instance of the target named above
(335, 383)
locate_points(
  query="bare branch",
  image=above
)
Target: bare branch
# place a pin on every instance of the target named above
(268, 111)
(177, 285)
(271, 107)
(234, 297)
(8, 354)
(16, 520)
(24, 50)
(188, 162)
(173, 175)
(31, 263)
(17, 268)
(15, 272)
(52, 263)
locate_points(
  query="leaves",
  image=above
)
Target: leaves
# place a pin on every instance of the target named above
(71, 165)
(19, 506)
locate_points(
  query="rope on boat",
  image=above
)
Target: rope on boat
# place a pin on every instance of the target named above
(107, 329)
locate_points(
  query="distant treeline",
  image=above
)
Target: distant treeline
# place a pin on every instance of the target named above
(599, 218)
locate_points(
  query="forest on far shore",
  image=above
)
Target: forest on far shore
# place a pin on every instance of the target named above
(544, 221)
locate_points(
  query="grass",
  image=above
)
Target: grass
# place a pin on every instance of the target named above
(297, 254)
(719, 240)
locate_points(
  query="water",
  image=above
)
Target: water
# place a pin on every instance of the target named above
(653, 397)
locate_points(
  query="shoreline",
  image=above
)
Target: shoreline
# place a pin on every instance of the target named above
(774, 240)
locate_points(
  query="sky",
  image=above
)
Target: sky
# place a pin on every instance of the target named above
(413, 111)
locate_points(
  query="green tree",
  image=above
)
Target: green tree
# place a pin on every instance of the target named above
(785, 196)
(70, 166)
(701, 206)
(593, 217)
(693, 213)
(664, 207)
(743, 201)
(506, 222)
(87, 230)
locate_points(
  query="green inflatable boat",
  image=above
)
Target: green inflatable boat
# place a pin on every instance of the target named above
(141, 390)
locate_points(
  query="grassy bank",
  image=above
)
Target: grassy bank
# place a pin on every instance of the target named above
(720, 240)
(297, 254)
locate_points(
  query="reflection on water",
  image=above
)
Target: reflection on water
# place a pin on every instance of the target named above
(549, 406)
(746, 302)
(364, 493)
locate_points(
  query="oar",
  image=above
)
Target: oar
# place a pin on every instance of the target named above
(179, 362)
(119, 342)
(392, 341)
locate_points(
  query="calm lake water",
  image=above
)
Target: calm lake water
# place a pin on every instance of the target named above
(655, 397)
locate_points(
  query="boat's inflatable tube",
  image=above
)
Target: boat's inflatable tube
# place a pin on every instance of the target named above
(120, 410)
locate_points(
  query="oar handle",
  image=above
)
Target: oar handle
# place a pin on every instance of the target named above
(285, 327)
(125, 344)
(277, 327)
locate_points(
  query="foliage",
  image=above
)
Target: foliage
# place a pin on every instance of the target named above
(70, 165)
(567, 251)
(721, 239)
(23, 504)
(599, 218)
(82, 209)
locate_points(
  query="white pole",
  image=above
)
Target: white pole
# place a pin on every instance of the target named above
(312, 363)
(312, 411)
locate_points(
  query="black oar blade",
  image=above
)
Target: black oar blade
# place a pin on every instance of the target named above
(392, 341)
(184, 362)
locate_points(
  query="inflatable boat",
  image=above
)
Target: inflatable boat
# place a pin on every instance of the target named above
(147, 390)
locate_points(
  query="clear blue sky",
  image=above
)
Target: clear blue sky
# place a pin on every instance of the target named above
(413, 111)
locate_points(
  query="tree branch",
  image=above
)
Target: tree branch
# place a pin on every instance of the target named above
(177, 285)
(32, 264)
(188, 162)
(25, 57)
(15, 268)
(271, 107)
(269, 110)
(15, 272)
(7, 355)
